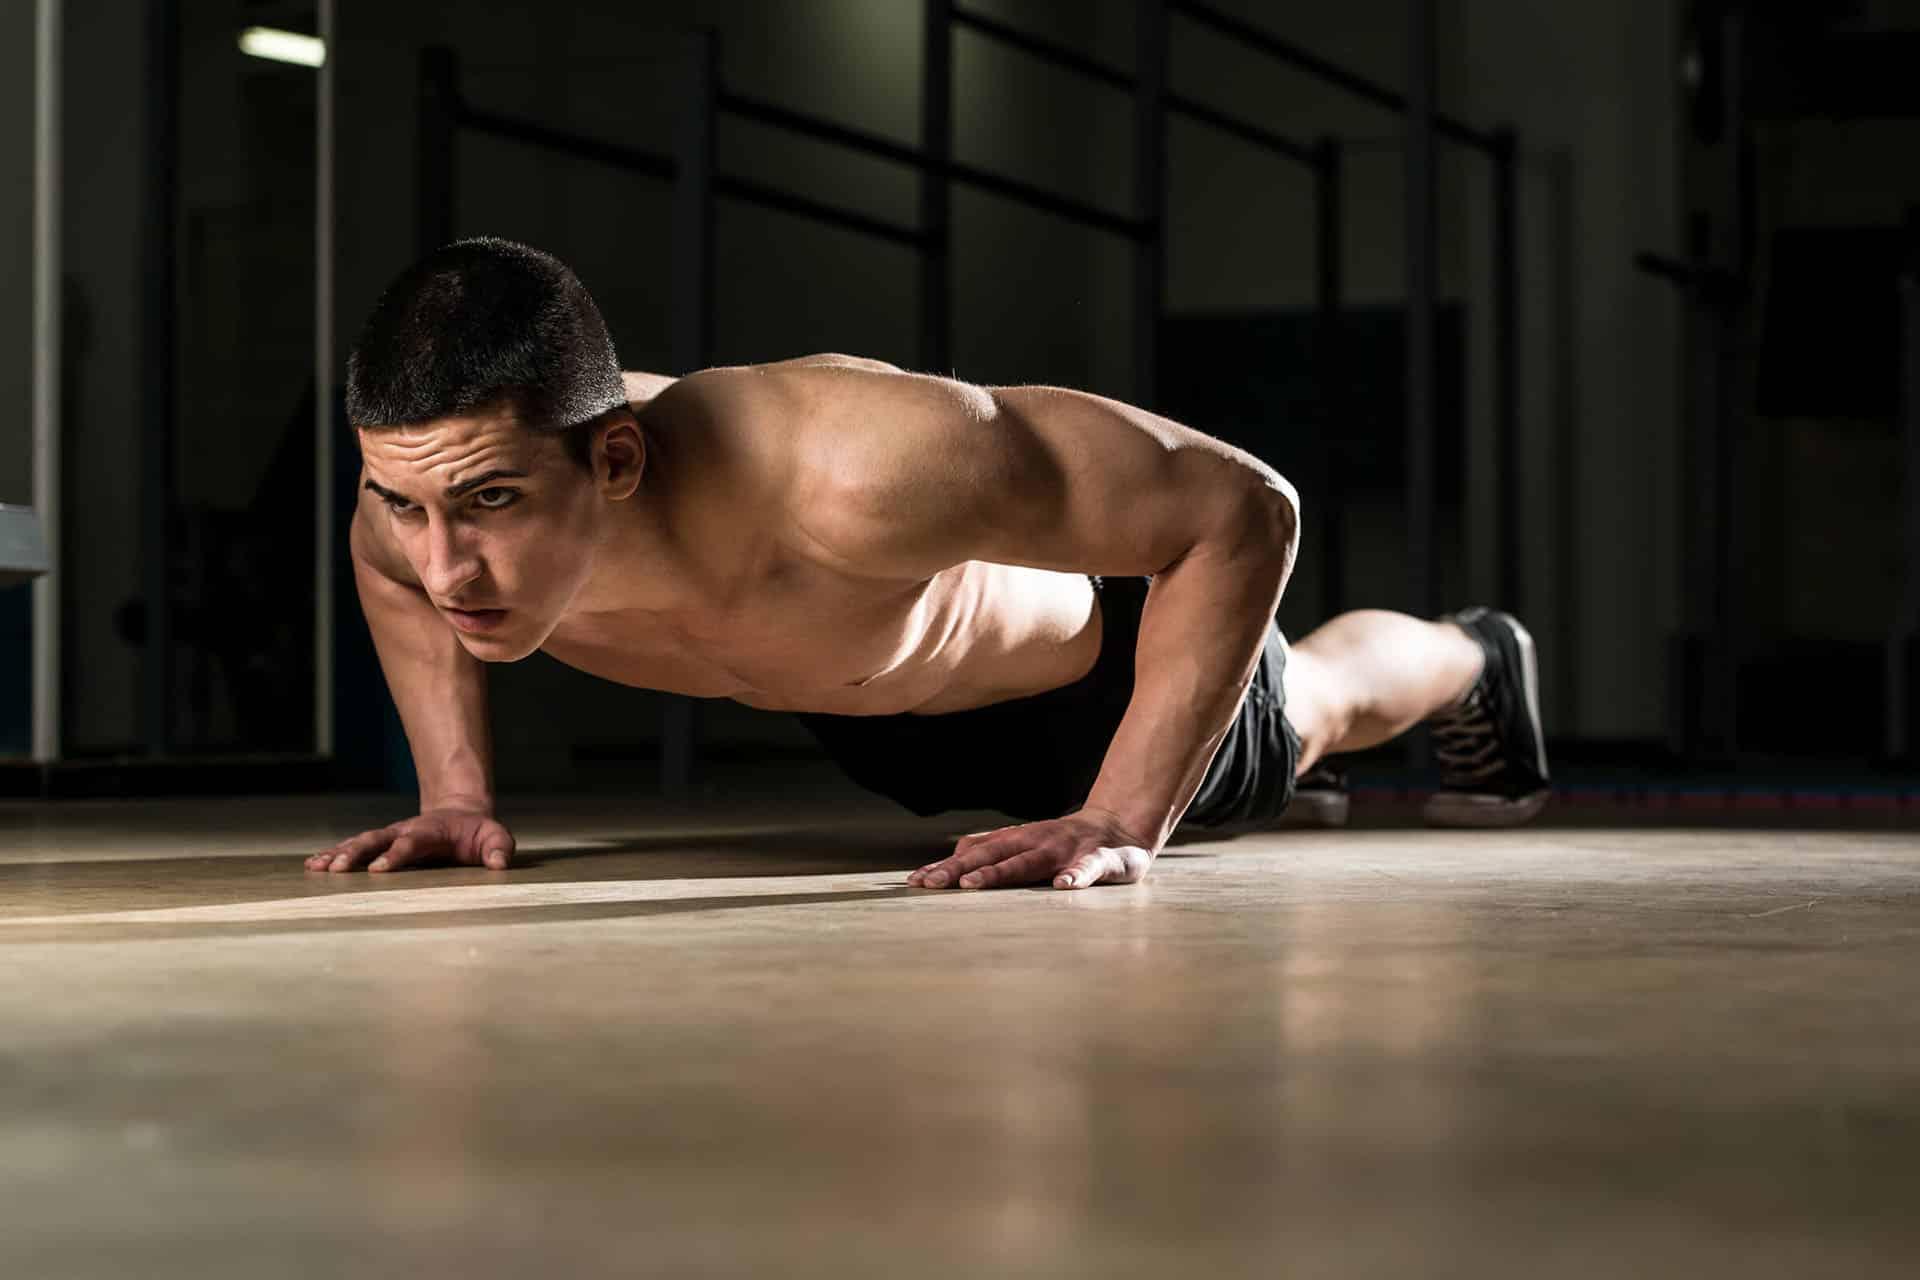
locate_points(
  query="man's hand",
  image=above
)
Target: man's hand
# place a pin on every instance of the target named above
(464, 836)
(1078, 851)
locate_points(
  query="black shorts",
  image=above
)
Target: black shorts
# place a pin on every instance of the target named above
(1037, 757)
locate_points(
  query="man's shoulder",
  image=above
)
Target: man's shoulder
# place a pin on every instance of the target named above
(758, 425)
(373, 549)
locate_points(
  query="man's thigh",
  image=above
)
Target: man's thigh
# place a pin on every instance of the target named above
(1316, 704)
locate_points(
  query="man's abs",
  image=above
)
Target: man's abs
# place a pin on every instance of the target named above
(807, 640)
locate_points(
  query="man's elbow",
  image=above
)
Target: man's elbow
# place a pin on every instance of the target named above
(1273, 510)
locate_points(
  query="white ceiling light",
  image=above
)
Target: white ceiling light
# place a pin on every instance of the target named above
(283, 46)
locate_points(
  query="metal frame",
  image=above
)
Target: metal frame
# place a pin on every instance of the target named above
(1426, 124)
(693, 318)
(1330, 367)
(1149, 195)
(46, 379)
(936, 185)
(1903, 708)
(158, 352)
(1565, 416)
(1423, 287)
(324, 426)
(1154, 100)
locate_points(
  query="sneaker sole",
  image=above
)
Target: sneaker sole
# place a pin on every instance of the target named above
(1473, 809)
(1478, 809)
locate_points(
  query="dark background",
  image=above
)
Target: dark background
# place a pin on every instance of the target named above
(1770, 330)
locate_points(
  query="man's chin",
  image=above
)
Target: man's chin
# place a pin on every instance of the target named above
(508, 644)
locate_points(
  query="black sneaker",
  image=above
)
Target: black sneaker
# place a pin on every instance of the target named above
(1491, 749)
(1320, 799)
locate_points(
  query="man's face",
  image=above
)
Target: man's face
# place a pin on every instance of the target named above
(498, 523)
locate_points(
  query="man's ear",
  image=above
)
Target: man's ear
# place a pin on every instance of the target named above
(619, 456)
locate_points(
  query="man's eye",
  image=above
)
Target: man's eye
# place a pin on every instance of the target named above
(496, 499)
(397, 506)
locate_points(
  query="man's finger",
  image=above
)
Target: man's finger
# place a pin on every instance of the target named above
(1090, 868)
(947, 870)
(323, 860)
(1022, 868)
(358, 851)
(972, 840)
(405, 851)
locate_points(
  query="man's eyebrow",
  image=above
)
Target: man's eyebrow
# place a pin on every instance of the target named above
(453, 491)
(466, 487)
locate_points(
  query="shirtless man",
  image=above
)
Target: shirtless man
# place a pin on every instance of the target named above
(1026, 599)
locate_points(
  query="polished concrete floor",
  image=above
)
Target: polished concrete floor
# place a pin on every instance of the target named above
(732, 1042)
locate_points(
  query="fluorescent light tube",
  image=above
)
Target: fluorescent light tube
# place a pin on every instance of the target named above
(283, 46)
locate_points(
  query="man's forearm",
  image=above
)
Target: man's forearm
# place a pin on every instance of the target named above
(438, 688)
(1201, 637)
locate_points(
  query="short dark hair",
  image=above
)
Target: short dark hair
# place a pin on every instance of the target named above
(482, 324)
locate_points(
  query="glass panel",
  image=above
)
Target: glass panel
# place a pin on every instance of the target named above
(16, 253)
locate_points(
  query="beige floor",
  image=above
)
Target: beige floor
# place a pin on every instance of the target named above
(721, 1044)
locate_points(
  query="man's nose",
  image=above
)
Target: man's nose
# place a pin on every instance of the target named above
(453, 560)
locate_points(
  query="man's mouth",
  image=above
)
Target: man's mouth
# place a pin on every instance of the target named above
(476, 620)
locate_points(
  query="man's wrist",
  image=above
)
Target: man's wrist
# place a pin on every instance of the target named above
(1146, 831)
(465, 802)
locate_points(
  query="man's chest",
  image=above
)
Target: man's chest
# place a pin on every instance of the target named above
(792, 637)
(804, 639)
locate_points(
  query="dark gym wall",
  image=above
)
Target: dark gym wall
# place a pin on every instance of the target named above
(1591, 87)
(16, 251)
(1594, 89)
(1827, 475)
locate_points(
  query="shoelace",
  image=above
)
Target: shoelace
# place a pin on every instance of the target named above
(1466, 743)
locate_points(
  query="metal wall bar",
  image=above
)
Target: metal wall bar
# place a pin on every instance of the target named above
(440, 97)
(160, 164)
(1903, 708)
(841, 135)
(1332, 73)
(693, 313)
(47, 590)
(653, 165)
(936, 188)
(774, 198)
(1042, 48)
(1072, 60)
(1330, 372)
(1423, 287)
(1047, 202)
(1506, 367)
(1149, 195)
(1733, 404)
(1254, 134)
(618, 155)
(1566, 424)
(323, 381)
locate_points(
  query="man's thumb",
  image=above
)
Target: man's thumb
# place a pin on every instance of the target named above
(496, 846)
